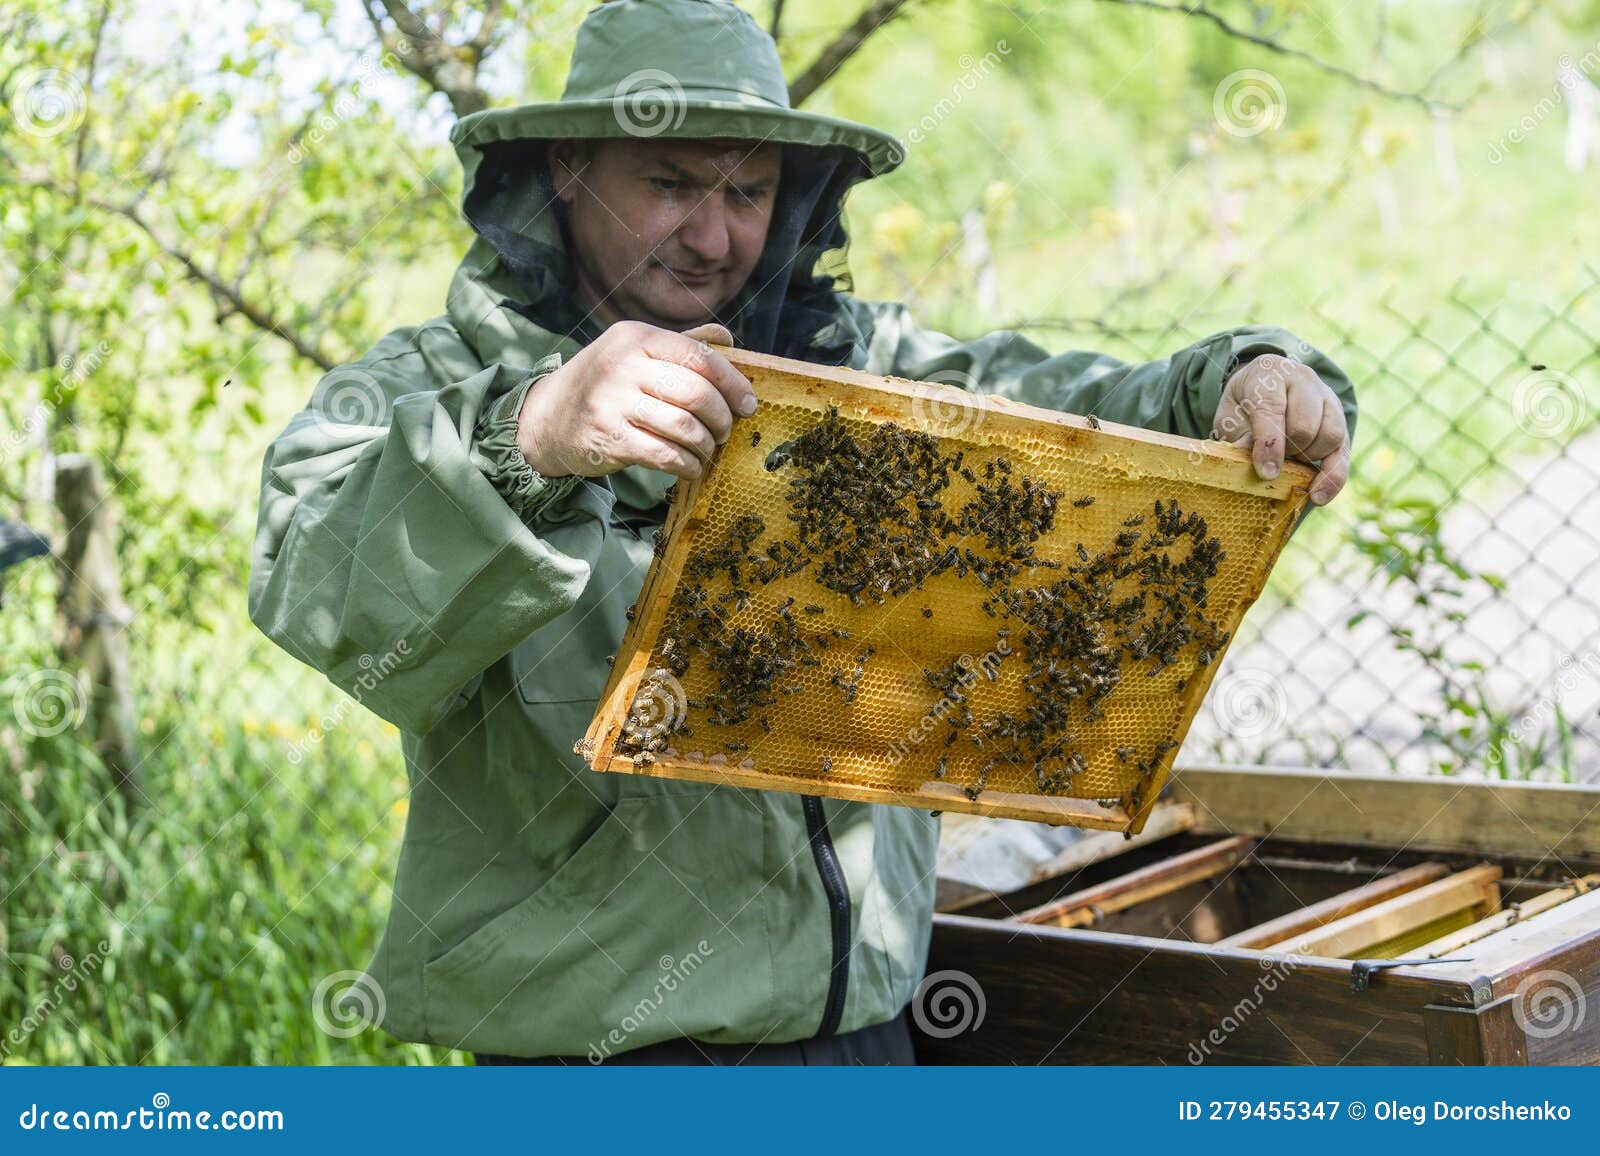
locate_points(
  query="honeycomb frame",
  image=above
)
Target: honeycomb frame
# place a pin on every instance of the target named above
(859, 753)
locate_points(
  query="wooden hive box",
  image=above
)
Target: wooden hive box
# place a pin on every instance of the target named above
(905, 593)
(1287, 916)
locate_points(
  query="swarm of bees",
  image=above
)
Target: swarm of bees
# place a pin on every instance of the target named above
(872, 520)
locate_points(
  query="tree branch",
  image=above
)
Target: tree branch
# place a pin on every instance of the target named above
(1201, 12)
(843, 46)
(444, 67)
(262, 317)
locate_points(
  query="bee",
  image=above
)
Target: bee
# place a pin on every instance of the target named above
(737, 747)
(827, 764)
(813, 609)
(1084, 503)
(1094, 422)
(755, 437)
(927, 612)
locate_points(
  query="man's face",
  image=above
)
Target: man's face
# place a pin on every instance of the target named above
(665, 232)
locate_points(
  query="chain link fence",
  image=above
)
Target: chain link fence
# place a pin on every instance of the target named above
(1444, 613)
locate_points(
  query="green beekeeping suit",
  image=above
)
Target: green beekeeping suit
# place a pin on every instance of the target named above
(406, 550)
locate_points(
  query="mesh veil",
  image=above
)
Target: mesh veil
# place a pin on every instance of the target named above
(788, 307)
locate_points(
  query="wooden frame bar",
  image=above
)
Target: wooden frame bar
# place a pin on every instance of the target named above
(1083, 908)
(1320, 914)
(1476, 890)
(1501, 920)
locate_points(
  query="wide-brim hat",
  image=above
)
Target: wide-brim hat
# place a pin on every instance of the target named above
(674, 69)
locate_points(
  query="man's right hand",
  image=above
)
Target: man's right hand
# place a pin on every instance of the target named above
(636, 395)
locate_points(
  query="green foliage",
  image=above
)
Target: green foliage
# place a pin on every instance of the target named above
(1403, 546)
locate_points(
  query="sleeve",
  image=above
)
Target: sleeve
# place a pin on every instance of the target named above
(403, 545)
(1177, 394)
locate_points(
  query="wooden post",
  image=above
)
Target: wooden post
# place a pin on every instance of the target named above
(92, 617)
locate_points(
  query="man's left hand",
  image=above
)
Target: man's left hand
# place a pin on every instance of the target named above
(1274, 405)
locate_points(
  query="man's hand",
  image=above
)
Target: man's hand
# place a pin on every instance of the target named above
(1274, 405)
(636, 395)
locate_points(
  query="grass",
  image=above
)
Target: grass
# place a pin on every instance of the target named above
(197, 927)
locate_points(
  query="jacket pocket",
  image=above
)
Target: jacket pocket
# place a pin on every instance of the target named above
(579, 875)
(656, 927)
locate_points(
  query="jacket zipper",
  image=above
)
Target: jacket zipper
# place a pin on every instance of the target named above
(833, 884)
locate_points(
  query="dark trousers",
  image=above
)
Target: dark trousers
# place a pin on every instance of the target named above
(879, 1044)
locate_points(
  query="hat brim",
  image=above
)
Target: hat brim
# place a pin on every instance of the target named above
(687, 117)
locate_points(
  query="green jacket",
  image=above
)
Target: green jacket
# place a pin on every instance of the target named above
(406, 550)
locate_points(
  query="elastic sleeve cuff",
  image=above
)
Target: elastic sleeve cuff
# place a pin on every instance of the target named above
(1249, 346)
(528, 492)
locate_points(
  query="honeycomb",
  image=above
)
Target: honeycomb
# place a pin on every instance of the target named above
(905, 593)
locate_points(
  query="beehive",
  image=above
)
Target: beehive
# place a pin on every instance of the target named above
(901, 631)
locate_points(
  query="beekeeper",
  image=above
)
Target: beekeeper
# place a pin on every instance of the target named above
(454, 527)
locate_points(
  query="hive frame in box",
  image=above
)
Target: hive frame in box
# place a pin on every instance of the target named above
(864, 396)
